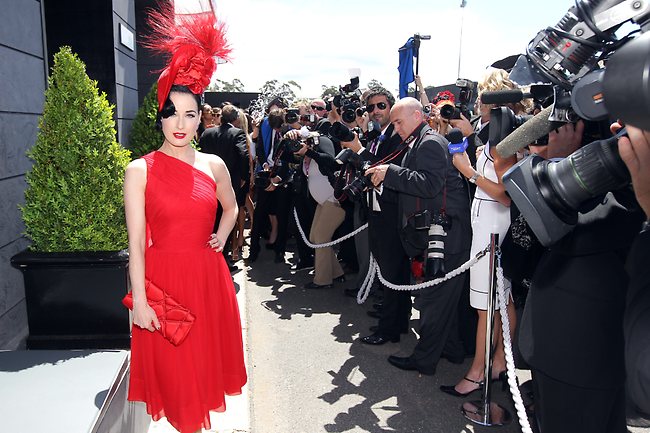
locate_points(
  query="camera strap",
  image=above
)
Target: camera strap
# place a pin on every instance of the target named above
(401, 148)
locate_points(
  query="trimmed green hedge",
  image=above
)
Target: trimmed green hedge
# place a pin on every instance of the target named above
(144, 136)
(74, 199)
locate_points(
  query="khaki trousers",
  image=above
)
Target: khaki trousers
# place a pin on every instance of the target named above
(327, 218)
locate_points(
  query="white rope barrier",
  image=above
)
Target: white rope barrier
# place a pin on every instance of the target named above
(327, 244)
(373, 269)
(507, 344)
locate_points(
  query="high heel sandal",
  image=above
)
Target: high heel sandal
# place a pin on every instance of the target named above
(451, 389)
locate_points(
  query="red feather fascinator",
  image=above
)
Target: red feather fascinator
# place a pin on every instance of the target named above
(192, 41)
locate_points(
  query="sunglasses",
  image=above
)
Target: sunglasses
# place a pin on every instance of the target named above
(381, 105)
(317, 108)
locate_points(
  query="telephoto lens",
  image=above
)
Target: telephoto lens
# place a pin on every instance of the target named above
(435, 264)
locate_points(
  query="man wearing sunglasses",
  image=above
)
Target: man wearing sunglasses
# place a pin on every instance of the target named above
(382, 214)
(317, 107)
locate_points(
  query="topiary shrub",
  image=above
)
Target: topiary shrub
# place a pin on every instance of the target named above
(144, 136)
(74, 199)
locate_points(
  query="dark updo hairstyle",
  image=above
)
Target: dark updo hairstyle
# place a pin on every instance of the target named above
(168, 108)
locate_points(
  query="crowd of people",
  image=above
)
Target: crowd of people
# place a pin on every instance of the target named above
(291, 159)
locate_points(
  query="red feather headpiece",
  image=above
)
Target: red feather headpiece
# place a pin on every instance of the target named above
(192, 41)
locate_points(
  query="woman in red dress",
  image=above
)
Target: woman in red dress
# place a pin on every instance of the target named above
(171, 200)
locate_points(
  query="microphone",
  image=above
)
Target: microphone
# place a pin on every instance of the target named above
(457, 143)
(498, 97)
(537, 127)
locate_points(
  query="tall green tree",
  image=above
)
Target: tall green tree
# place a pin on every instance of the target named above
(144, 136)
(74, 201)
(328, 91)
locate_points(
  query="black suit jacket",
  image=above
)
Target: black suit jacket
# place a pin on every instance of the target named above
(572, 326)
(420, 181)
(637, 323)
(228, 143)
(391, 143)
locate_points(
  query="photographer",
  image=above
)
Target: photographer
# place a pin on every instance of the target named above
(267, 136)
(425, 177)
(635, 152)
(319, 165)
(571, 330)
(383, 220)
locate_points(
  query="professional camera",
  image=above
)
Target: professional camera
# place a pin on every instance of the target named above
(348, 101)
(292, 115)
(338, 131)
(435, 263)
(502, 122)
(462, 105)
(549, 194)
(358, 166)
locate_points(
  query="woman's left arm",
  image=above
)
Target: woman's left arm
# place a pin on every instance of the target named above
(496, 190)
(226, 197)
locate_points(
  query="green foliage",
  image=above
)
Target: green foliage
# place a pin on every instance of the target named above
(372, 84)
(74, 201)
(144, 136)
(328, 91)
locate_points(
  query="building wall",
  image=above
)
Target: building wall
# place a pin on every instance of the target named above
(126, 68)
(22, 73)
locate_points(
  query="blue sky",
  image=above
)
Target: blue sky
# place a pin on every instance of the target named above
(316, 43)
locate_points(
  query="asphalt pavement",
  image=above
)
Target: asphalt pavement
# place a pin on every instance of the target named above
(309, 373)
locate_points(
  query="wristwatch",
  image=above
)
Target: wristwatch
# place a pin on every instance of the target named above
(475, 176)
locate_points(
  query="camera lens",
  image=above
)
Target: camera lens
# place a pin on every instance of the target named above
(447, 111)
(588, 172)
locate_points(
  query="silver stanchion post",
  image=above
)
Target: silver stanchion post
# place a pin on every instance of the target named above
(484, 412)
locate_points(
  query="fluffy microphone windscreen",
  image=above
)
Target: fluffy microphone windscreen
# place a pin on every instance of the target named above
(499, 97)
(535, 128)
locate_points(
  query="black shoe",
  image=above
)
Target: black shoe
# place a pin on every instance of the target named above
(378, 339)
(407, 363)
(451, 389)
(454, 359)
(313, 285)
(375, 314)
(339, 279)
(279, 258)
(378, 306)
(302, 265)
(351, 292)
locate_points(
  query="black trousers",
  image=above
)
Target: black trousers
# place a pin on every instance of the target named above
(564, 408)
(305, 207)
(386, 247)
(438, 307)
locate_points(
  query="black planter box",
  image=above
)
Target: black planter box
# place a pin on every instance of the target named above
(74, 299)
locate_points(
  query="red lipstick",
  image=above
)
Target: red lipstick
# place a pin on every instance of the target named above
(179, 135)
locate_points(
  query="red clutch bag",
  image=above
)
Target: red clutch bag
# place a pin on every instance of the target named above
(175, 319)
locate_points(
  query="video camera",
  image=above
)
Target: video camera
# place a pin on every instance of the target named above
(567, 57)
(463, 103)
(348, 101)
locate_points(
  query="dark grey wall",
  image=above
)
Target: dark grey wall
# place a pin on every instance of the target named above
(126, 70)
(22, 74)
